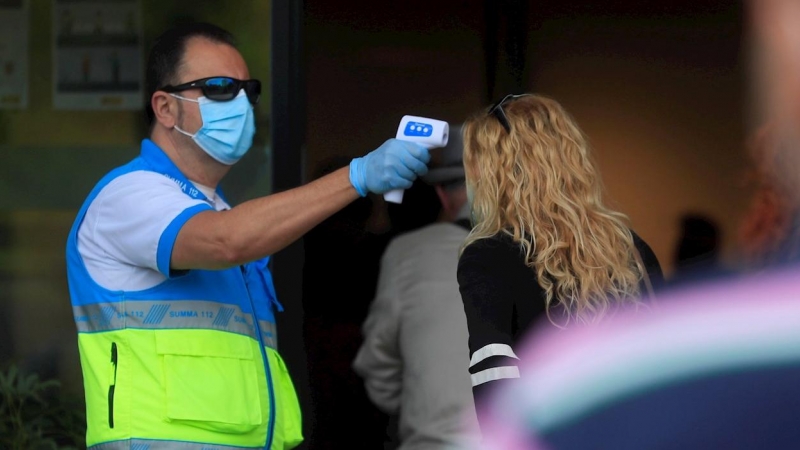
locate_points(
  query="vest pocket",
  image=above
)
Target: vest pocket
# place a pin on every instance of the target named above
(210, 380)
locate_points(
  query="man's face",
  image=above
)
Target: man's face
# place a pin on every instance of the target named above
(202, 59)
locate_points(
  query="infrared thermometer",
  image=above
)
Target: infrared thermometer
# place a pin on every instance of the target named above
(429, 133)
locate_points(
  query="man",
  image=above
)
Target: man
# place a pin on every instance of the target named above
(170, 288)
(415, 358)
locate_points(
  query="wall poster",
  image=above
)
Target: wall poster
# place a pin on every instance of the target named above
(97, 55)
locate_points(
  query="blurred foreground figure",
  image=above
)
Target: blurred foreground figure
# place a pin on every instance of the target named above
(770, 233)
(715, 368)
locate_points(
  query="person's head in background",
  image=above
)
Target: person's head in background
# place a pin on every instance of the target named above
(420, 207)
(438, 196)
(769, 234)
(768, 227)
(774, 32)
(698, 244)
(531, 175)
(446, 176)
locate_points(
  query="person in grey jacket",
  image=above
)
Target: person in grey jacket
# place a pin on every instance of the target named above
(415, 357)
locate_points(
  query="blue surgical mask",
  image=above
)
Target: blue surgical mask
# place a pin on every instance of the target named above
(228, 127)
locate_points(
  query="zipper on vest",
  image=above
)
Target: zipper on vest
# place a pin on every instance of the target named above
(270, 388)
(112, 385)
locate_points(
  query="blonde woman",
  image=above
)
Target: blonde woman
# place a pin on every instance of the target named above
(544, 242)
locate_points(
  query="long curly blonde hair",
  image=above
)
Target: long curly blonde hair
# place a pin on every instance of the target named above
(539, 185)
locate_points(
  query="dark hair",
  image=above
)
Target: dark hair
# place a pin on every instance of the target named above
(452, 185)
(421, 206)
(699, 238)
(166, 55)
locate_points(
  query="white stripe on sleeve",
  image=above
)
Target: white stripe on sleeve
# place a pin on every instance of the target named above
(495, 373)
(492, 350)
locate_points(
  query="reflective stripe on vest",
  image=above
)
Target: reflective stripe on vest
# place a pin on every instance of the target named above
(151, 444)
(176, 314)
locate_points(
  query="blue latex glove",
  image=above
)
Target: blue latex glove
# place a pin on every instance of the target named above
(393, 165)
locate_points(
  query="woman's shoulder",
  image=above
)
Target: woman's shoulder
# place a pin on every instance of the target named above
(495, 261)
(650, 260)
(498, 252)
(644, 248)
(500, 243)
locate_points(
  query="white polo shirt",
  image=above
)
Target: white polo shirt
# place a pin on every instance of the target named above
(119, 236)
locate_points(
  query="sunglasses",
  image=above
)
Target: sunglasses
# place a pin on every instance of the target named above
(497, 110)
(221, 89)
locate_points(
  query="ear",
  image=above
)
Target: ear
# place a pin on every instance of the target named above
(165, 109)
(443, 198)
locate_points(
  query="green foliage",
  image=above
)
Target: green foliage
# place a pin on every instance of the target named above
(34, 414)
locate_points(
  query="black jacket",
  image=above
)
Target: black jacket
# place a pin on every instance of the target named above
(503, 300)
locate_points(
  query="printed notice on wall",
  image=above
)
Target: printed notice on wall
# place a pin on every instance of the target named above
(13, 54)
(97, 55)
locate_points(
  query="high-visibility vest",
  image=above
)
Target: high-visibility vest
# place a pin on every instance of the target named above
(190, 363)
